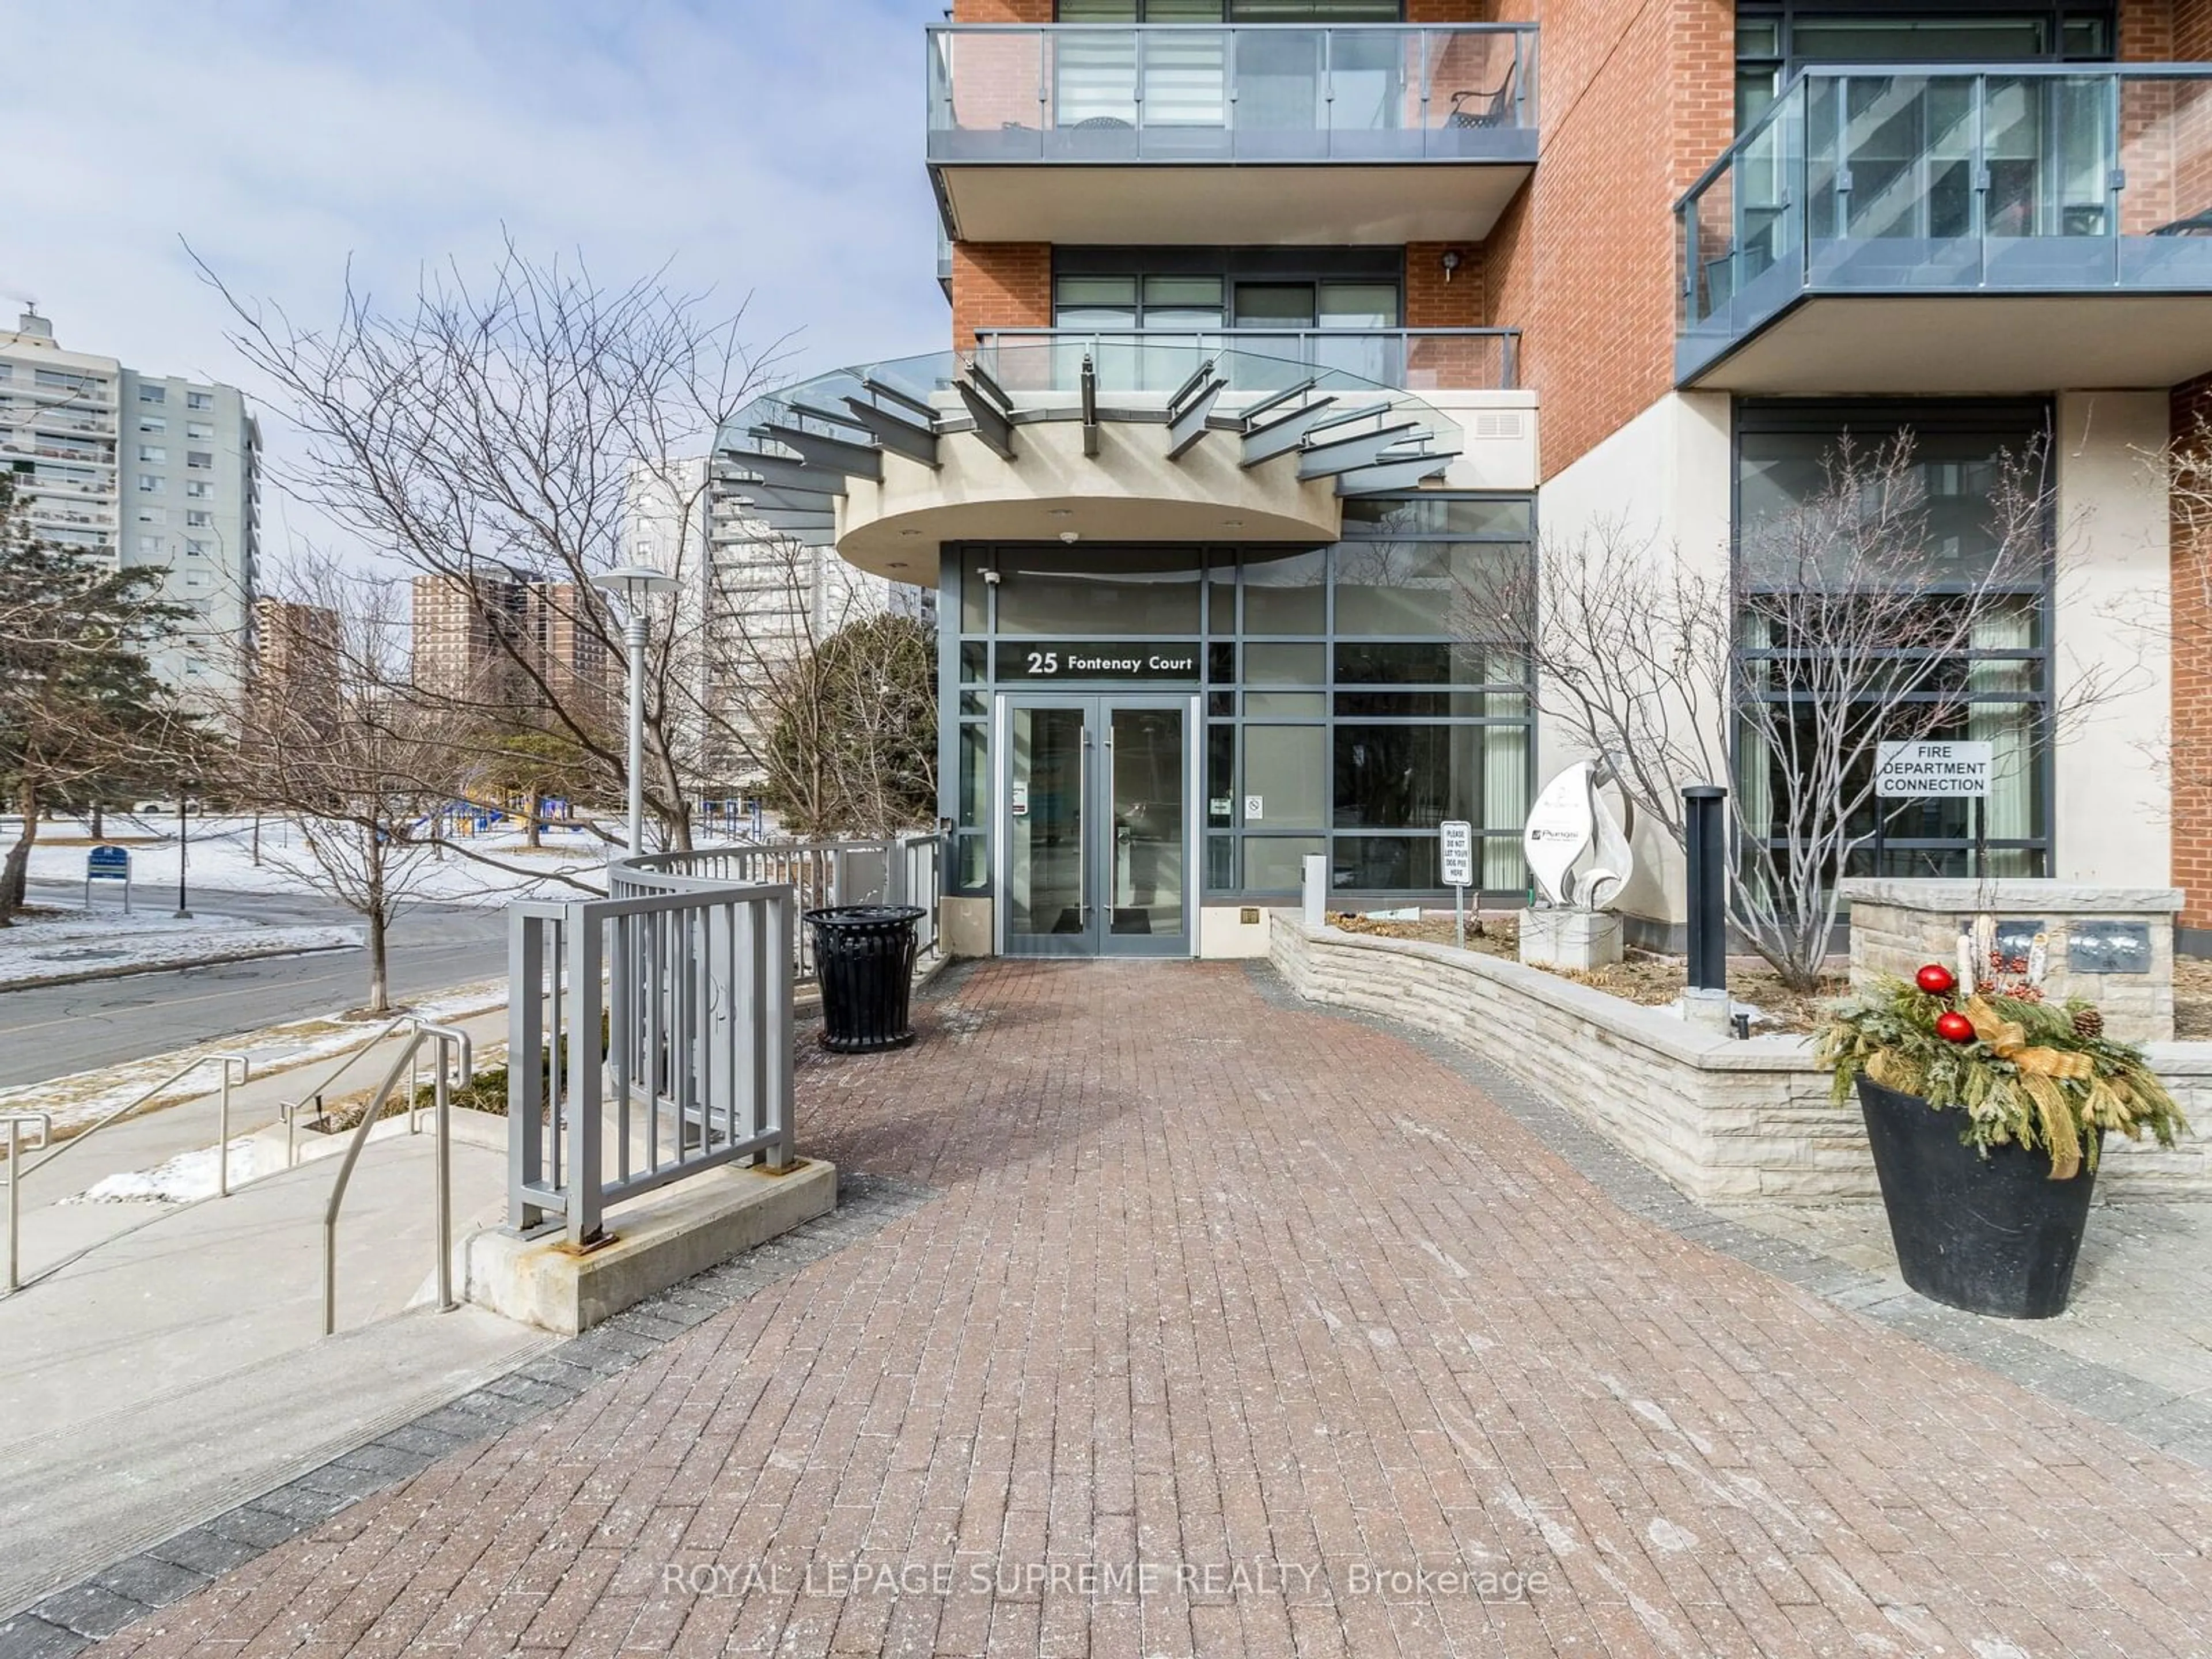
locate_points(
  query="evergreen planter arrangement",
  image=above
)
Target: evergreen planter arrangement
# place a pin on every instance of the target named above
(1986, 1114)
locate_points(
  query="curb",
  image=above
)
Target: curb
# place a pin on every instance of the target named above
(94, 975)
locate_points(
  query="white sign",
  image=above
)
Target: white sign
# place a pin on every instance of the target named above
(1921, 771)
(1456, 852)
(1252, 805)
(1020, 804)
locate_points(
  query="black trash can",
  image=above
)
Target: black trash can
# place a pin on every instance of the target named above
(864, 960)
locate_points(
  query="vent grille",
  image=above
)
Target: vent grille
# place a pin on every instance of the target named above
(1504, 423)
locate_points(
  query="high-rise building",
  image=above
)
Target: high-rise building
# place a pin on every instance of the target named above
(492, 637)
(1279, 328)
(142, 471)
(296, 659)
(750, 599)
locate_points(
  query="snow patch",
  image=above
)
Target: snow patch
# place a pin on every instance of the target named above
(184, 1179)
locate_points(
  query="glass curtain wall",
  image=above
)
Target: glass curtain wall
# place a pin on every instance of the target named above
(1997, 692)
(1355, 696)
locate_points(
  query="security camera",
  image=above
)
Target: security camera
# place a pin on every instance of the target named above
(992, 579)
(1071, 536)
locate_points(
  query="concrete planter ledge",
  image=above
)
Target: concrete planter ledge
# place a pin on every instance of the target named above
(1724, 1120)
(2020, 893)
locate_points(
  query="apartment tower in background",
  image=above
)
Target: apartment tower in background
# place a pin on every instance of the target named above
(141, 470)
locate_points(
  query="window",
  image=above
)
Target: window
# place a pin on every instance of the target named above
(199, 429)
(152, 547)
(1773, 40)
(152, 483)
(198, 517)
(153, 454)
(1352, 698)
(199, 400)
(153, 423)
(197, 550)
(199, 461)
(199, 490)
(153, 394)
(153, 515)
(1998, 691)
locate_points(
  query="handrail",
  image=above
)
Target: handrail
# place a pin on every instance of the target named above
(15, 1121)
(53, 1148)
(288, 1112)
(445, 1038)
(1242, 336)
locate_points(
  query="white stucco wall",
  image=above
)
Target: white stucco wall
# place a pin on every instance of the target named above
(2111, 821)
(1664, 478)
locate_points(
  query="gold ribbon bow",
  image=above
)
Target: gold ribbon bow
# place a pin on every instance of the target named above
(2041, 1071)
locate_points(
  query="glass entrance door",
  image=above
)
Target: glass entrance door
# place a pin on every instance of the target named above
(1094, 822)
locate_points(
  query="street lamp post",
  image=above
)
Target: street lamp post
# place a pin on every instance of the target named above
(183, 911)
(636, 583)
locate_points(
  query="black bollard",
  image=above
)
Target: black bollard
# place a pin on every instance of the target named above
(1707, 841)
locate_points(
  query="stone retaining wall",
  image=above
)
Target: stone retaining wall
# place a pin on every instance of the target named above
(1722, 1120)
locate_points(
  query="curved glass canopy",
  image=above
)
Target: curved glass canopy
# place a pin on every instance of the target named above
(795, 451)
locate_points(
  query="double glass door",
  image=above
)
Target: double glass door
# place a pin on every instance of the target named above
(1095, 825)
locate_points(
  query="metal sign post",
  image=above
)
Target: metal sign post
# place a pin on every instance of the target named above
(107, 863)
(1456, 854)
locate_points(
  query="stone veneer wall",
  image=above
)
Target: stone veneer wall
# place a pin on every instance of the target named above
(1722, 1120)
(1897, 927)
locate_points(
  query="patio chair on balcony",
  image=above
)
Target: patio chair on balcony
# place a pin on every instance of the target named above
(1472, 108)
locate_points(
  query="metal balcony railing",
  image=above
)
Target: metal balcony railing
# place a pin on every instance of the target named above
(1988, 178)
(1248, 93)
(1256, 359)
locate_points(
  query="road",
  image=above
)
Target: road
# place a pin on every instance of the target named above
(70, 1028)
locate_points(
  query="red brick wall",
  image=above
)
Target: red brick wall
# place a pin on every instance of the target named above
(999, 285)
(1002, 11)
(1446, 11)
(1637, 102)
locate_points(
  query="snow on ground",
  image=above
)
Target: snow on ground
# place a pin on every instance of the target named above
(41, 949)
(183, 1179)
(219, 855)
(85, 1097)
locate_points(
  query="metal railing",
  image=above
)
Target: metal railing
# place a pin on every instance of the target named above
(661, 1021)
(1256, 359)
(449, 1043)
(17, 1170)
(2017, 177)
(896, 869)
(289, 1113)
(1208, 93)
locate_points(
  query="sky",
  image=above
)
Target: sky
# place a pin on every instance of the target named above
(767, 150)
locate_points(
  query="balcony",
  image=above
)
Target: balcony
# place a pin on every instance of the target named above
(1998, 229)
(1256, 359)
(1172, 133)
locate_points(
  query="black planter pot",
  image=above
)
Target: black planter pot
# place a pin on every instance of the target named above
(864, 958)
(1992, 1234)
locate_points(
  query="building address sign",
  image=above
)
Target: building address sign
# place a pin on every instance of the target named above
(1092, 659)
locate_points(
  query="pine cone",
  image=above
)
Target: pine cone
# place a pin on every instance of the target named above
(2088, 1022)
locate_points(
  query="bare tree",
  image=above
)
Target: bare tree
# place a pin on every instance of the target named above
(485, 430)
(1847, 621)
(339, 743)
(80, 706)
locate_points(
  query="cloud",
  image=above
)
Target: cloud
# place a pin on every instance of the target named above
(769, 147)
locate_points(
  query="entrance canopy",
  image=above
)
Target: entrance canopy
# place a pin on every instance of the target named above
(1072, 439)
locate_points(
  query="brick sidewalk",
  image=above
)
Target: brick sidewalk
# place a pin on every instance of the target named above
(1276, 1306)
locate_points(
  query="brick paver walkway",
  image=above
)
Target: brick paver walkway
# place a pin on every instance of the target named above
(1278, 1310)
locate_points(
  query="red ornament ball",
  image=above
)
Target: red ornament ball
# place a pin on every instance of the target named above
(1955, 1028)
(1936, 980)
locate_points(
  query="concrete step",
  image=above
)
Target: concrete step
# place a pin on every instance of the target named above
(177, 1368)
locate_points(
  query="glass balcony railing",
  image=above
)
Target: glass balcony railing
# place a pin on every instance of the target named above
(1261, 92)
(1256, 359)
(1890, 179)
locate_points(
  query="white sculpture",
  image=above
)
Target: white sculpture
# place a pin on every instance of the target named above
(1570, 814)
